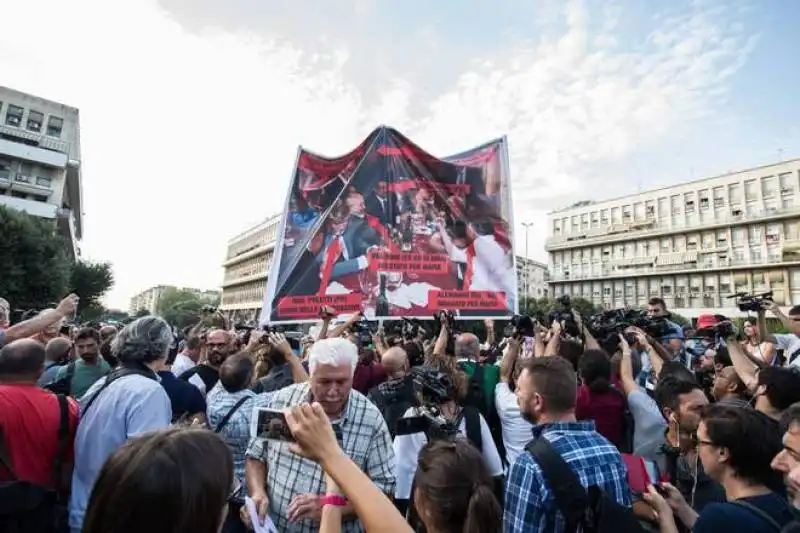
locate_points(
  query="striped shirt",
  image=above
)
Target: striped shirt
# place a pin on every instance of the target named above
(530, 506)
(364, 438)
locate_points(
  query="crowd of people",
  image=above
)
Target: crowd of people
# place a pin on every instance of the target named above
(540, 428)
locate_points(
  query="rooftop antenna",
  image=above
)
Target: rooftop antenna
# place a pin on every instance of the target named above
(780, 154)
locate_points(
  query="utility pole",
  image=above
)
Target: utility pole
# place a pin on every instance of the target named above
(527, 226)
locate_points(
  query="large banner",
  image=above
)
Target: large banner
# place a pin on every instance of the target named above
(393, 231)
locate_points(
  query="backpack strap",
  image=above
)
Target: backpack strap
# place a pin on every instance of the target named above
(472, 426)
(63, 437)
(112, 377)
(571, 498)
(758, 512)
(222, 423)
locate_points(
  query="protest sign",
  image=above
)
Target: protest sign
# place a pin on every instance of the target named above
(392, 231)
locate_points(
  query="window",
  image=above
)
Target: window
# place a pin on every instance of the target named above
(43, 181)
(649, 209)
(14, 115)
(703, 200)
(22, 178)
(722, 237)
(35, 120)
(689, 202)
(735, 193)
(786, 183)
(750, 191)
(54, 126)
(768, 187)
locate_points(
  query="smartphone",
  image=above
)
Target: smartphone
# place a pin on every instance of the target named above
(270, 424)
(653, 473)
(638, 477)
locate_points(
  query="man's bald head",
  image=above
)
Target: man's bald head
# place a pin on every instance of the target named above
(57, 349)
(395, 361)
(22, 360)
(236, 372)
(468, 347)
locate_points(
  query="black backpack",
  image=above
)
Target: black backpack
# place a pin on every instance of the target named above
(63, 386)
(30, 508)
(585, 510)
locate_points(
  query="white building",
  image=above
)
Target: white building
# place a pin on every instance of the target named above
(148, 298)
(532, 278)
(693, 244)
(246, 265)
(40, 161)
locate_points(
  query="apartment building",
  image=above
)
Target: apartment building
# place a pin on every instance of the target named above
(693, 244)
(40, 161)
(148, 298)
(532, 278)
(246, 267)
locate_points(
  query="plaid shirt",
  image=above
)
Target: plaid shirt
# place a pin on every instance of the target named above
(365, 439)
(530, 506)
(236, 432)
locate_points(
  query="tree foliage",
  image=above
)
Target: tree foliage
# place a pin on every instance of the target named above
(141, 312)
(182, 308)
(541, 308)
(91, 281)
(34, 266)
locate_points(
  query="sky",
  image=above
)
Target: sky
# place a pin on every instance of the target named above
(192, 110)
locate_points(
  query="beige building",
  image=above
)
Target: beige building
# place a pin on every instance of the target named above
(693, 244)
(532, 278)
(40, 161)
(246, 266)
(148, 298)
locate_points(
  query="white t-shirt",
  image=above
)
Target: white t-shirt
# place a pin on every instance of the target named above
(517, 431)
(492, 269)
(181, 364)
(407, 448)
(790, 343)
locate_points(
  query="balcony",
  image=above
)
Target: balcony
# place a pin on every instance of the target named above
(30, 184)
(629, 231)
(47, 158)
(674, 263)
(238, 278)
(254, 251)
(32, 207)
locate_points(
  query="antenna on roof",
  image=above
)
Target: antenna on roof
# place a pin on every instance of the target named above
(780, 154)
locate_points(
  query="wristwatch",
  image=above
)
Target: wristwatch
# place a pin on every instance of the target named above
(336, 500)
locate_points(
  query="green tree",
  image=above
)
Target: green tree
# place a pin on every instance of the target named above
(141, 312)
(91, 281)
(183, 308)
(34, 266)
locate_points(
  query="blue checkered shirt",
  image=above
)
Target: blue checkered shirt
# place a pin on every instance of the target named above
(530, 506)
(236, 432)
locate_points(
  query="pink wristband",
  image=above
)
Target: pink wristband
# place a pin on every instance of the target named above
(333, 499)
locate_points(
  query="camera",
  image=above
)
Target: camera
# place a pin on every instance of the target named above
(751, 302)
(519, 326)
(563, 315)
(432, 389)
(608, 325)
(446, 318)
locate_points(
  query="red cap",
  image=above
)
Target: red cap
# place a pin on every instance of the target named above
(706, 322)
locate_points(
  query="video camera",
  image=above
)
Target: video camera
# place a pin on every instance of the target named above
(563, 315)
(606, 326)
(751, 302)
(447, 318)
(519, 326)
(432, 389)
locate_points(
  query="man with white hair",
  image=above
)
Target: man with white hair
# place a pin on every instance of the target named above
(292, 489)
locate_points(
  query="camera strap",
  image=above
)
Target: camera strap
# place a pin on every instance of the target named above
(222, 423)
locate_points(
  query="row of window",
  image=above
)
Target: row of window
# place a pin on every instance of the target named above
(250, 267)
(35, 121)
(771, 234)
(772, 190)
(716, 286)
(246, 293)
(24, 172)
(259, 238)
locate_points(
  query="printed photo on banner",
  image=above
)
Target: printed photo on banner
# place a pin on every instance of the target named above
(392, 231)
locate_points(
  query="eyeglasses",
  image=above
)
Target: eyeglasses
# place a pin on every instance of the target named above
(697, 442)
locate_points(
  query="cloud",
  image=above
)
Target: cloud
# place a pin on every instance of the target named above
(192, 111)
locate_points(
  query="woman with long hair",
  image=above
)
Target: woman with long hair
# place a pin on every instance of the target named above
(759, 350)
(169, 481)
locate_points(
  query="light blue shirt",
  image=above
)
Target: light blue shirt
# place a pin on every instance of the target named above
(130, 406)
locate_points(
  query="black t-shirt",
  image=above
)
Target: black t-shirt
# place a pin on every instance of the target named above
(185, 397)
(730, 516)
(209, 375)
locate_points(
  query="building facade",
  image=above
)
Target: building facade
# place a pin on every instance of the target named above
(246, 265)
(148, 298)
(694, 244)
(40, 161)
(532, 278)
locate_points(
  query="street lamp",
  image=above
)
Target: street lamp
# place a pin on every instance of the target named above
(527, 226)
